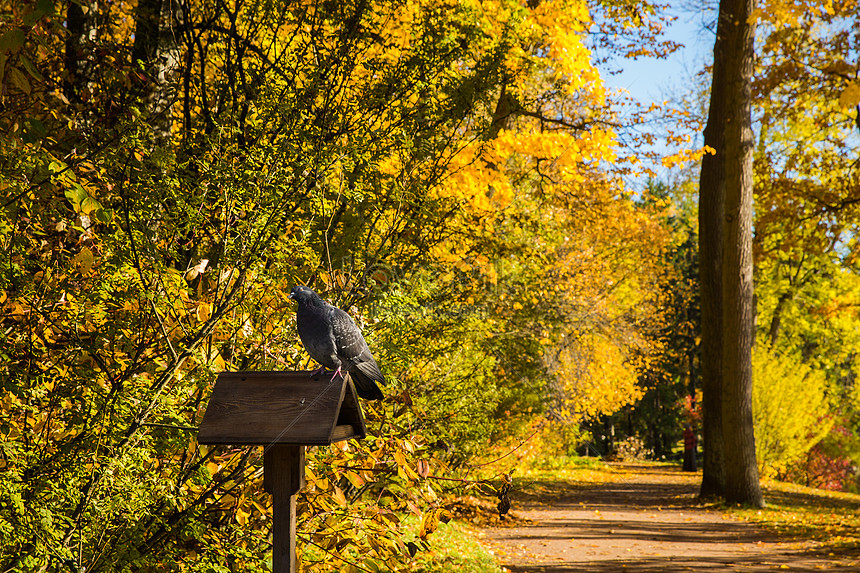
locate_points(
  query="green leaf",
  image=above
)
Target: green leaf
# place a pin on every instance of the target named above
(31, 69)
(17, 502)
(33, 17)
(34, 131)
(88, 205)
(104, 215)
(76, 195)
(45, 6)
(37, 128)
(19, 80)
(11, 41)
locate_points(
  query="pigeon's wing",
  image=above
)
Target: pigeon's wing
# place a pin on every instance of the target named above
(354, 353)
(348, 340)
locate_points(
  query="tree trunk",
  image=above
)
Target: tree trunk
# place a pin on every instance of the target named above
(776, 320)
(506, 107)
(76, 60)
(711, 206)
(83, 23)
(157, 48)
(741, 470)
(725, 216)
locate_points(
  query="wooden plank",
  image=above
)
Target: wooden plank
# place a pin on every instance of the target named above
(342, 432)
(271, 407)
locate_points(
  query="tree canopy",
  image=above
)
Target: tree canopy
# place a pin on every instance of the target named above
(454, 174)
(170, 170)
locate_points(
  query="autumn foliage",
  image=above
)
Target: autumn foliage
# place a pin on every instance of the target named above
(807, 186)
(454, 174)
(169, 171)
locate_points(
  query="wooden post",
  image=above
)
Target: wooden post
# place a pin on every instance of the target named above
(284, 477)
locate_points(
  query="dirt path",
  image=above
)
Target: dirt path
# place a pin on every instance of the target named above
(646, 521)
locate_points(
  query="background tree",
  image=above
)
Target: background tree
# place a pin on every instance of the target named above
(712, 192)
(672, 377)
(726, 216)
(807, 182)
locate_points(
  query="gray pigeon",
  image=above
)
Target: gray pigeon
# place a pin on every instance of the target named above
(331, 338)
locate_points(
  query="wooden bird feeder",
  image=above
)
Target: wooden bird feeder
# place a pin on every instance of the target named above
(284, 412)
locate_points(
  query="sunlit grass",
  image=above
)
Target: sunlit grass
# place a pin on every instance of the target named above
(454, 547)
(579, 470)
(798, 512)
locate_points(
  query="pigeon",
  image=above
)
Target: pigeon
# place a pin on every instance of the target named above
(331, 338)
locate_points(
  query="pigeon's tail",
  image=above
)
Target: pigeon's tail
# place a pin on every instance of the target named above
(365, 385)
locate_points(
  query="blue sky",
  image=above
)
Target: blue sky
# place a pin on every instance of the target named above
(656, 80)
(650, 79)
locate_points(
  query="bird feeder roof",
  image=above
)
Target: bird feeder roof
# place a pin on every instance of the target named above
(264, 408)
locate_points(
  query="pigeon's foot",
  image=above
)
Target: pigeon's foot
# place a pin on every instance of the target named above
(316, 372)
(337, 373)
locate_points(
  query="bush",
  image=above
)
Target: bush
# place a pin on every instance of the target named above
(632, 449)
(790, 409)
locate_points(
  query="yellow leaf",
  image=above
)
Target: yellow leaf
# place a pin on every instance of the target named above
(262, 509)
(850, 96)
(429, 523)
(89, 205)
(355, 479)
(204, 311)
(85, 259)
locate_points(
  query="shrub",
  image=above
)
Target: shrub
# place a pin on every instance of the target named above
(790, 409)
(632, 449)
